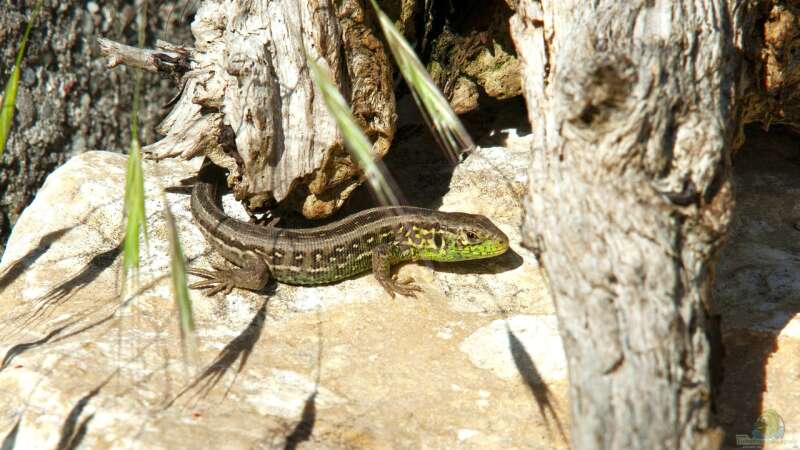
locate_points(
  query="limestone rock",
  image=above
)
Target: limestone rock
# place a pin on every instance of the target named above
(326, 367)
(756, 291)
(475, 362)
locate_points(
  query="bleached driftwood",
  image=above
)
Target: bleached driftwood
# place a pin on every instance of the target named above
(248, 102)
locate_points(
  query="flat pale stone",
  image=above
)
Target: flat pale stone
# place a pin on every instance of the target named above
(538, 346)
(792, 329)
(83, 365)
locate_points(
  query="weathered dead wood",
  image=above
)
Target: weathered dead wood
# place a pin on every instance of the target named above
(472, 55)
(635, 107)
(768, 36)
(248, 102)
(465, 45)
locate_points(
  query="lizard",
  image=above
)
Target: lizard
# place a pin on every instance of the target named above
(374, 239)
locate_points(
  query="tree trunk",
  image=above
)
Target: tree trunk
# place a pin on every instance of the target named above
(635, 110)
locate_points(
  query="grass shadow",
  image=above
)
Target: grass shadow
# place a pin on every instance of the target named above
(239, 349)
(10, 441)
(61, 333)
(19, 266)
(305, 427)
(74, 428)
(18, 349)
(533, 381)
(56, 296)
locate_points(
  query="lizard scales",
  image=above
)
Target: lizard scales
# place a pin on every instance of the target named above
(375, 239)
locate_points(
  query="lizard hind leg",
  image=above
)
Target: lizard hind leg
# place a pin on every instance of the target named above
(253, 276)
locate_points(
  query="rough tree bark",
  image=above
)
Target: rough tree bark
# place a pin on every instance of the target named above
(68, 103)
(637, 108)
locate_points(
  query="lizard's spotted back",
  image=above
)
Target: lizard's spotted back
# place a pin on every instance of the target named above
(375, 238)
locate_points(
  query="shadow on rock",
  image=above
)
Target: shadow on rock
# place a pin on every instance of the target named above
(56, 336)
(21, 348)
(741, 393)
(45, 304)
(10, 440)
(304, 429)
(533, 381)
(239, 348)
(756, 287)
(19, 266)
(60, 333)
(74, 429)
(421, 169)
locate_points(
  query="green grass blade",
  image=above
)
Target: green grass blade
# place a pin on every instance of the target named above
(134, 182)
(10, 91)
(177, 263)
(180, 288)
(448, 130)
(134, 208)
(355, 140)
(136, 221)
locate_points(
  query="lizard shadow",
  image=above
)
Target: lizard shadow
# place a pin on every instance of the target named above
(509, 260)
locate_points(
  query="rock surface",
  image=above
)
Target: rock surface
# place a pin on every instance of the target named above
(474, 362)
(757, 287)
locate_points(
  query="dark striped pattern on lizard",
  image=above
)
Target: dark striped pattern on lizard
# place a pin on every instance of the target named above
(376, 239)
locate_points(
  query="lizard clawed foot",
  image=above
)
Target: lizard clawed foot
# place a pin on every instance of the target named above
(405, 287)
(224, 279)
(216, 281)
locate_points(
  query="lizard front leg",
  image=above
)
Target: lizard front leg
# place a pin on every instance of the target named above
(253, 275)
(383, 257)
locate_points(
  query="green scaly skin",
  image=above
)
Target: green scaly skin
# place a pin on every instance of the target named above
(375, 239)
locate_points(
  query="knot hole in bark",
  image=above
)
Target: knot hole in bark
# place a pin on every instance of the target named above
(604, 92)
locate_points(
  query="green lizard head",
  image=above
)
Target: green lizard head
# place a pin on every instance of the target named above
(465, 236)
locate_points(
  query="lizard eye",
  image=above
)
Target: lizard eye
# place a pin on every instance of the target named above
(472, 236)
